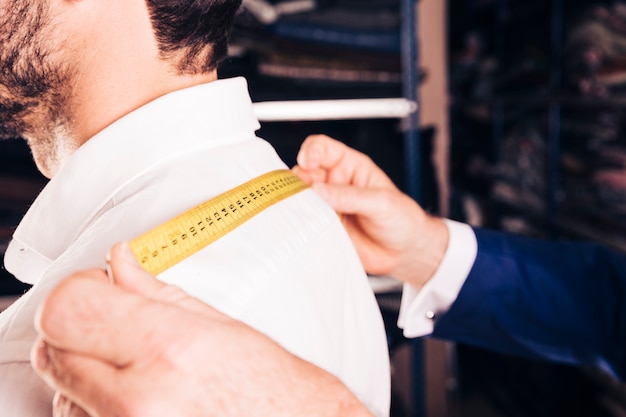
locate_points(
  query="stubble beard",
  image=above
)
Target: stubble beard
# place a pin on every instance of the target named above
(34, 89)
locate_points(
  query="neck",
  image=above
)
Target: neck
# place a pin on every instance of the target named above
(112, 65)
(96, 109)
(119, 67)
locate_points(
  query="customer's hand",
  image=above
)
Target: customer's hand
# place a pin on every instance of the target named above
(391, 232)
(143, 348)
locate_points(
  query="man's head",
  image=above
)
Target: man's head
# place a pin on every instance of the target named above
(32, 82)
(193, 34)
(69, 68)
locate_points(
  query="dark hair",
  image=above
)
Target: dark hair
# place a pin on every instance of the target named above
(193, 33)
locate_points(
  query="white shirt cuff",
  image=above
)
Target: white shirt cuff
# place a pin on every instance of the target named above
(419, 308)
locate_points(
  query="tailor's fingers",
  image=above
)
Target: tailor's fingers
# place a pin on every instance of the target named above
(128, 274)
(346, 199)
(95, 318)
(321, 152)
(313, 153)
(63, 407)
(343, 164)
(310, 176)
(83, 384)
(126, 270)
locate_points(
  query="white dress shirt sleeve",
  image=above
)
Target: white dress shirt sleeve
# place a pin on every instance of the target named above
(419, 307)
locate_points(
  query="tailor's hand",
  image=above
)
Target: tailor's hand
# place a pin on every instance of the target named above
(391, 232)
(143, 348)
(63, 407)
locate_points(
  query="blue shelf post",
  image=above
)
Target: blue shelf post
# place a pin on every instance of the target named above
(412, 161)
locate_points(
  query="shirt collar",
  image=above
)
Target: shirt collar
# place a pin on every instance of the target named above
(211, 114)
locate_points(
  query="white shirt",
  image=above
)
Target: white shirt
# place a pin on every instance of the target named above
(418, 308)
(290, 272)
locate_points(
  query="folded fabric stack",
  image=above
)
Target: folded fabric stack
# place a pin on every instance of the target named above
(520, 176)
(595, 54)
(523, 91)
(335, 49)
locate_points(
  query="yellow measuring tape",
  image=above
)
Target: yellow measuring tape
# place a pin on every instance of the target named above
(193, 230)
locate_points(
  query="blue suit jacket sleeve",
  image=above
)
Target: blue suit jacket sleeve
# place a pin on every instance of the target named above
(561, 301)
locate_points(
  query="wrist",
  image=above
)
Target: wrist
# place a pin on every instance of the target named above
(422, 259)
(318, 393)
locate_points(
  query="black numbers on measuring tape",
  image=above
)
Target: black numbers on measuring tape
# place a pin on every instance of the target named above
(144, 253)
(254, 196)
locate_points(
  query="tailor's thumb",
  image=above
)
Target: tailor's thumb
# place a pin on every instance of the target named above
(128, 274)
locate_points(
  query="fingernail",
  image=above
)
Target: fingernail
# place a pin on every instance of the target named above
(321, 190)
(42, 356)
(126, 255)
(314, 158)
(107, 260)
(122, 253)
(309, 159)
(110, 272)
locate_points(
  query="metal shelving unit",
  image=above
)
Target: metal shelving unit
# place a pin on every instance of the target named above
(412, 161)
(551, 103)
